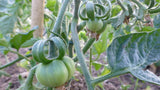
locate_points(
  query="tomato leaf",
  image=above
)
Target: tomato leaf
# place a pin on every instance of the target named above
(134, 52)
(29, 42)
(97, 65)
(101, 45)
(156, 21)
(20, 38)
(3, 5)
(3, 42)
(7, 24)
(145, 75)
(105, 71)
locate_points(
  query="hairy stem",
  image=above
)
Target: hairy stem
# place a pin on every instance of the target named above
(77, 47)
(57, 25)
(90, 62)
(13, 62)
(86, 47)
(139, 4)
(28, 83)
(121, 5)
(154, 10)
(19, 54)
(110, 75)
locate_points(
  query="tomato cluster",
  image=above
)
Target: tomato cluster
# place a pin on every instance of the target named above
(96, 19)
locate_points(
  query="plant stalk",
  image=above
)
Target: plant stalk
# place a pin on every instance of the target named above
(110, 75)
(13, 62)
(86, 47)
(57, 25)
(77, 47)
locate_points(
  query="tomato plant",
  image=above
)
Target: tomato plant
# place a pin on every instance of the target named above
(128, 30)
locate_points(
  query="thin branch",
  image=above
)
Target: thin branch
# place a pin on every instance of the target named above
(86, 47)
(13, 62)
(19, 54)
(56, 28)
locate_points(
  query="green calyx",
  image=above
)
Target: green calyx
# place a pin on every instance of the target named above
(88, 11)
(40, 50)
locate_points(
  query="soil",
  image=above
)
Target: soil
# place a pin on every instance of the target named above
(78, 83)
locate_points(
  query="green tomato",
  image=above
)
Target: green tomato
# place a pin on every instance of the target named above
(94, 25)
(56, 73)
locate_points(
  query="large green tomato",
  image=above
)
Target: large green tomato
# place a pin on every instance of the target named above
(56, 73)
(94, 25)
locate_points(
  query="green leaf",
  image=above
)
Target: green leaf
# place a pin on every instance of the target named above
(148, 28)
(7, 24)
(97, 65)
(19, 39)
(118, 20)
(115, 10)
(3, 42)
(3, 5)
(134, 52)
(106, 71)
(101, 45)
(145, 75)
(50, 4)
(29, 42)
(156, 21)
(158, 1)
(53, 5)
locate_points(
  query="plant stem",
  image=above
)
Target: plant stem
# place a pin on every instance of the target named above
(90, 63)
(78, 48)
(139, 4)
(13, 62)
(28, 83)
(136, 84)
(121, 5)
(110, 75)
(86, 47)
(57, 25)
(53, 19)
(70, 48)
(154, 10)
(19, 54)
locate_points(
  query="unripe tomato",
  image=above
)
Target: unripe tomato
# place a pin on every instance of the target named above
(56, 73)
(94, 25)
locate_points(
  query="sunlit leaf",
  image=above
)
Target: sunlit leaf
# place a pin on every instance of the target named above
(4, 43)
(20, 38)
(96, 65)
(101, 45)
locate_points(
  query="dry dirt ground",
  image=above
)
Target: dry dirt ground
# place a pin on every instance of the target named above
(12, 82)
